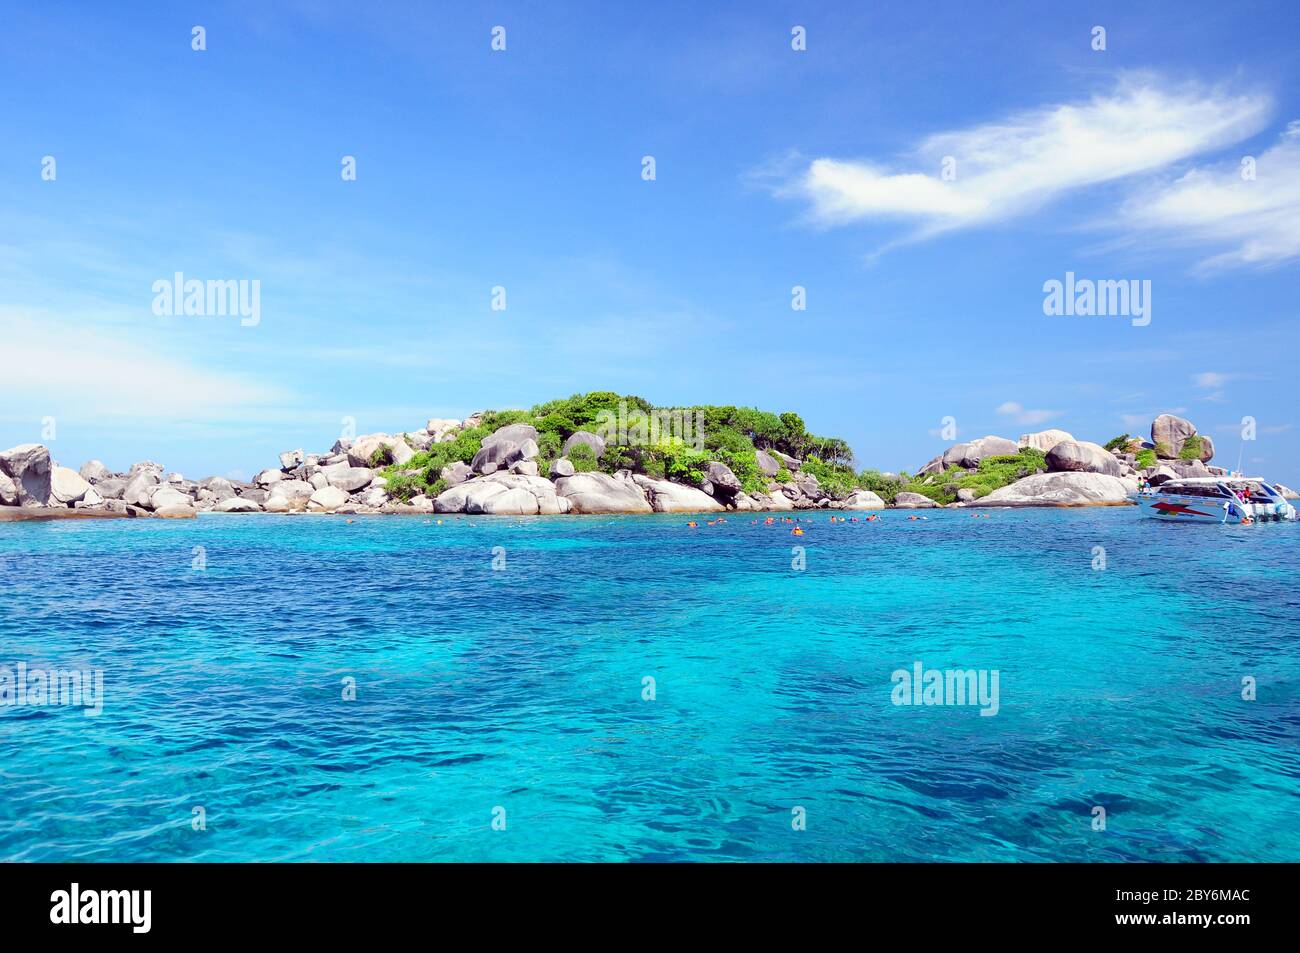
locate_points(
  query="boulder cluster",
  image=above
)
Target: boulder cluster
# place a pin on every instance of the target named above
(302, 482)
(1080, 473)
(503, 478)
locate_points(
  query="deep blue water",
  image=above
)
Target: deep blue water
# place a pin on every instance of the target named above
(521, 688)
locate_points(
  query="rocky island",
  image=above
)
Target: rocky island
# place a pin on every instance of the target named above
(607, 453)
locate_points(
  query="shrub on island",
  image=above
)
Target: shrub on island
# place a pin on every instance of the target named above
(712, 434)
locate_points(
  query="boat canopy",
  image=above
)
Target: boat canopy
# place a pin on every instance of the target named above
(1215, 479)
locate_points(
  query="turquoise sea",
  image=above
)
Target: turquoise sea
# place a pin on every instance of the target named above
(516, 693)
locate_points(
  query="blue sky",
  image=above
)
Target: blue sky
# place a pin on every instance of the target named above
(522, 169)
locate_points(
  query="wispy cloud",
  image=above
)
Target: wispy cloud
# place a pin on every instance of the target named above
(64, 368)
(1211, 379)
(1212, 382)
(1018, 414)
(1257, 220)
(1010, 166)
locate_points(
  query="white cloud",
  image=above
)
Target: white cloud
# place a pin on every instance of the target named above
(1022, 416)
(1256, 220)
(63, 368)
(1212, 379)
(1016, 164)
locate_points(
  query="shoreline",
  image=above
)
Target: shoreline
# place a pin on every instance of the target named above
(22, 514)
(543, 462)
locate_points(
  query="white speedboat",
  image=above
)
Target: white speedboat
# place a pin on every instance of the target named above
(1228, 499)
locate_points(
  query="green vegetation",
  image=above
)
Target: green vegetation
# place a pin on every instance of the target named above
(661, 443)
(1164, 451)
(836, 479)
(1146, 457)
(1118, 443)
(992, 474)
(583, 458)
(1192, 448)
(403, 486)
(684, 465)
(885, 487)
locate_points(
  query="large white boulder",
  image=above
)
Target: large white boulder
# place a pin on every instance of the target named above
(373, 496)
(501, 454)
(288, 496)
(724, 482)
(146, 466)
(585, 438)
(514, 433)
(602, 493)
(92, 471)
(1044, 440)
(350, 479)
(215, 489)
(861, 500)
(1061, 489)
(27, 467)
(456, 472)
(327, 499)
(970, 454)
(166, 496)
(362, 451)
(1169, 433)
(1080, 456)
(441, 429)
(139, 488)
(503, 494)
(907, 500)
(668, 497)
(66, 486)
(776, 500)
(92, 499)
